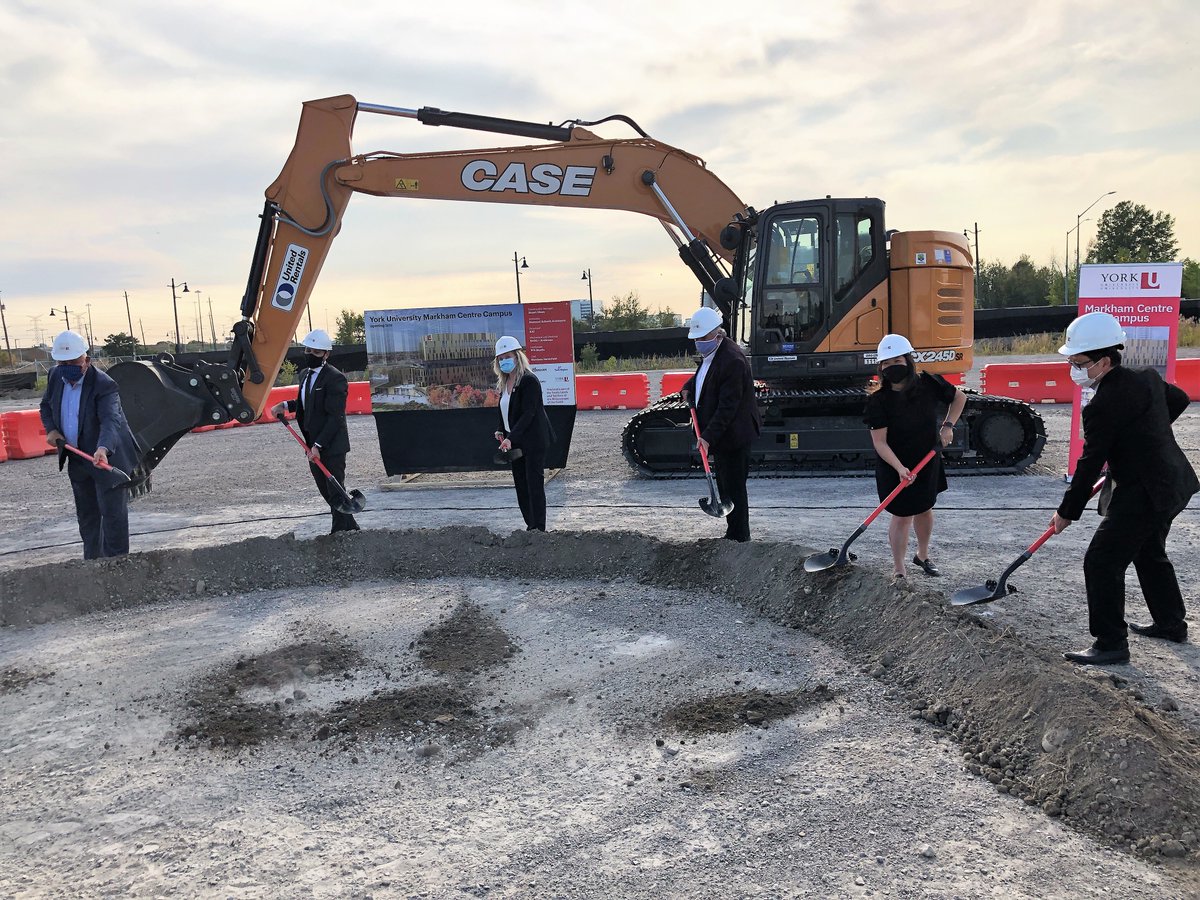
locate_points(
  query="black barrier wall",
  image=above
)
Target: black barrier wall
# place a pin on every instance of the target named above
(457, 440)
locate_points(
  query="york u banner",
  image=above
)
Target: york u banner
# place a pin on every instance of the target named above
(433, 388)
(1144, 298)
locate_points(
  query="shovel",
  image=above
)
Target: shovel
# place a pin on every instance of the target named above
(831, 558)
(122, 478)
(712, 504)
(352, 502)
(993, 590)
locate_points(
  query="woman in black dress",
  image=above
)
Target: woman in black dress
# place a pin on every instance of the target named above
(904, 415)
(525, 432)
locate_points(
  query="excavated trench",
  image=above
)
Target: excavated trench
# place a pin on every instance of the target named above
(1077, 743)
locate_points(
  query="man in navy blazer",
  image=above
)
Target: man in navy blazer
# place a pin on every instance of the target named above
(82, 407)
(320, 408)
(722, 391)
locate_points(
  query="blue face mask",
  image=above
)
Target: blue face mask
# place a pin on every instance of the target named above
(507, 365)
(71, 372)
(707, 347)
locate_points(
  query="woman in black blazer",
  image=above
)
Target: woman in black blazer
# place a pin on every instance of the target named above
(525, 429)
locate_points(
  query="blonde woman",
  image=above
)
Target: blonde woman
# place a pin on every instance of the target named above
(525, 429)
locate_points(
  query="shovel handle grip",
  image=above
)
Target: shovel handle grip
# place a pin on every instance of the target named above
(1049, 532)
(95, 462)
(300, 441)
(696, 428)
(912, 475)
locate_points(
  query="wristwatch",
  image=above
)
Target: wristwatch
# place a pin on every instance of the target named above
(947, 424)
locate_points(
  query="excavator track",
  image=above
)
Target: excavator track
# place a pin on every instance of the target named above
(820, 432)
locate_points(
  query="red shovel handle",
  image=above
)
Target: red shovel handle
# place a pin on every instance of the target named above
(904, 482)
(300, 441)
(696, 428)
(1049, 532)
(95, 462)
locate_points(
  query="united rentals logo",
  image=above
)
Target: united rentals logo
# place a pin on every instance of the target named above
(289, 277)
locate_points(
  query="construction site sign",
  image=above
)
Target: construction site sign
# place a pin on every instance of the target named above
(1144, 298)
(441, 357)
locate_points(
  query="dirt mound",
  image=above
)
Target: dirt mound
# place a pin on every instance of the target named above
(727, 712)
(1079, 743)
(467, 641)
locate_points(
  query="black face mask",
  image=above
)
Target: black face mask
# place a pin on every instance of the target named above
(314, 361)
(895, 374)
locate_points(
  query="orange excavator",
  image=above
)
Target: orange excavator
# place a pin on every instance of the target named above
(807, 287)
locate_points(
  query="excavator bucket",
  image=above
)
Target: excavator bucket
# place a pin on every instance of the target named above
(164, 401)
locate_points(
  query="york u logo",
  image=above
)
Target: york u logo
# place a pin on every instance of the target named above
(1150, 281)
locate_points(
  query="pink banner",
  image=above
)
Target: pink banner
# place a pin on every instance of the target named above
(1144, 298)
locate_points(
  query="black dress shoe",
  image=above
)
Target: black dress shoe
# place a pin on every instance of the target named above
(1154, 630)
(928, 567)
(1094, 656)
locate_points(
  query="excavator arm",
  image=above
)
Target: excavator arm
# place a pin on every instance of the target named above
(304, 209)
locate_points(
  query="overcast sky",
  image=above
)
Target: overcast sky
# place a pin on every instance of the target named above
(138, 137)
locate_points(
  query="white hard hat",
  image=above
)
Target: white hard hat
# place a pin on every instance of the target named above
(703, 320)
(507, 344)
(69, 345)
(893, 345)
(1092, 331)
(318, 339)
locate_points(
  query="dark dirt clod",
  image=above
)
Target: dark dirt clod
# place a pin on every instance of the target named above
(13, 679)
(469, 639)
(726, 712)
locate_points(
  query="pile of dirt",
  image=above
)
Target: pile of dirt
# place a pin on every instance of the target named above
(467, 641)
(727, 712)
(1077, 742)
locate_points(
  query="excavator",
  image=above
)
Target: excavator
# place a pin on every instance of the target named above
(807, 287)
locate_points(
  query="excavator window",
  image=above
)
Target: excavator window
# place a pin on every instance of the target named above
(792, 311)
(855, 250)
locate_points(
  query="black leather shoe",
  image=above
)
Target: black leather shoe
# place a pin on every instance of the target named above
(1093, 656)
(1154, 630)
(928, 567)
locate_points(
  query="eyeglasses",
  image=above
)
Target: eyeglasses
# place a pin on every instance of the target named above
(1084, 366)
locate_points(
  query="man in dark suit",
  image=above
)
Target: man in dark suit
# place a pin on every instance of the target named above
(1127, 424)
(723, 392)
(81, 407)
(320, 409)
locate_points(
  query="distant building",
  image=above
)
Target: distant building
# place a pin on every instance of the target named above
(582, 310)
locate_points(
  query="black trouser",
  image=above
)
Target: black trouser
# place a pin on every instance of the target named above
(733, 468)
(1119, 541)
(337, 468)
(102, 513)
(529, 478)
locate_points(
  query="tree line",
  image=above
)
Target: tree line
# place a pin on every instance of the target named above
(1127, 233)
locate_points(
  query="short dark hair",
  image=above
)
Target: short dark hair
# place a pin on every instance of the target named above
(1113, 353)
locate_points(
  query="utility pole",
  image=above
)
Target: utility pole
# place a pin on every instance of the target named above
(129, 316)
(4, 322)
(142, 329)
(308, 309)
(91, 335)
(212, 327)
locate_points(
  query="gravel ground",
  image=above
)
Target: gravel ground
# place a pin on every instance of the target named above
(844, 797)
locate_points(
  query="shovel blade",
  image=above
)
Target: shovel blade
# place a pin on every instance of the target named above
(716, 509)
(984, 593)
(819, 562)
(354, 502)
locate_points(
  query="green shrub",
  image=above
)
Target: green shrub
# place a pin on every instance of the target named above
(588, 356)
(287, 374)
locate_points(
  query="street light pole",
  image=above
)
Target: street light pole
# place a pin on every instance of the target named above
(587, 276)
(66, 313)
(1078, 222)
(175, 307)
(517, 272)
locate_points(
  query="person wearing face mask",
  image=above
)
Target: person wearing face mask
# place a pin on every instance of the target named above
(904, 415)
(320, 408)
(525, 432)
(722, 391)
(1126, 425)
(81, 407)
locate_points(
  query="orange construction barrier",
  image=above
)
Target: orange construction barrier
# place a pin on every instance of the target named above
(3, 449)
(1187, 376)
(1048, 382)
(23, 435)
(673, 382)
(629, 390)
(955, 378)
(358, 403)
